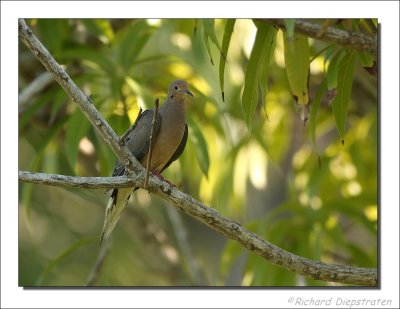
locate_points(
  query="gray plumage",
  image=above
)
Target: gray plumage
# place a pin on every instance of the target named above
(169, 141)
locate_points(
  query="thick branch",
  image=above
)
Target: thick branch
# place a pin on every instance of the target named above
(81, 182)
(216, 221)
(85, 103)
(356, 40)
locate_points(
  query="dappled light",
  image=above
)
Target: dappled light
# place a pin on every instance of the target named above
(249, 154)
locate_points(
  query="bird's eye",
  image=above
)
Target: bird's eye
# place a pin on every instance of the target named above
(176, 87)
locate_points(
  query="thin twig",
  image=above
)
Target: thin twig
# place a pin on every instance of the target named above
(153, 125)
(81, 182)
(352, 39)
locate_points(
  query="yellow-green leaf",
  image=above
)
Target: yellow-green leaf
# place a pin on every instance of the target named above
(313, 114)
(341, 102)
(297, 66)
(255, 77)
(209, 33)
(197, 138)
(333, 70)
(230, 23)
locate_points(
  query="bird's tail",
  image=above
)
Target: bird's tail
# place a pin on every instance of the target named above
(116, 205)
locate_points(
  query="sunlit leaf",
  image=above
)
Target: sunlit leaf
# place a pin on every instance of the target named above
(258, 63)
(341, 102)
(297, 66)
(230, 23)
(100, 28)
(197, 138)
(209, 33)
(333, 70)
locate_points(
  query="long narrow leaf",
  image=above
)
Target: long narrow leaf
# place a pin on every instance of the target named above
(197, 138)
(209, 33)
(341, 102)
(297, 66)
(258, 63)
(333, 70)
(27, 188)
(224, 52)
(313, 114)
(58, 260)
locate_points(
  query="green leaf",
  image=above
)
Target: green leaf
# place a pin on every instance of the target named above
(257, 69)
(100, 28)
(132, 42)
(27, 188)
(313, 114)
(197, 138)
(208, 25)
(58, 260)
(366, 59)
(78, 126)
(196, 20)
(205, 39)
(230, 23)
(32, 109)
(209, 33)
(341, 102)
(51, 33)
(297, 66)
(91, 55)
(333, 70)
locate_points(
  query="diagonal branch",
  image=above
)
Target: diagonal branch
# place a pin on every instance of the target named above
(84, 102)
(356, 40)
(209, 216)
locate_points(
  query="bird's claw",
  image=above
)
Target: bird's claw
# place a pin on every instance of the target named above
(157, 174)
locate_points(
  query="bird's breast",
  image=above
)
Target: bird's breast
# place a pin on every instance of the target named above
(169, 137)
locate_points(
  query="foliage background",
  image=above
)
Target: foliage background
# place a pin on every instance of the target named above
(265, 175)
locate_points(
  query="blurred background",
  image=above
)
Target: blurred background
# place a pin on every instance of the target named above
(265, 176)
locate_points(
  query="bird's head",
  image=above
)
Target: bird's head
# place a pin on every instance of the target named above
(179, 89)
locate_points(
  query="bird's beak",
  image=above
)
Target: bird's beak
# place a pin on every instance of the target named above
(187, 92)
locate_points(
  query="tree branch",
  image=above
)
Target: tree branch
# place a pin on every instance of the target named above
(356, 40)
(85, 103)
(81, 182)
(209, 216)
(184, 202)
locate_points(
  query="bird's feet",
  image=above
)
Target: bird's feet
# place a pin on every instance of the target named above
(157, 174)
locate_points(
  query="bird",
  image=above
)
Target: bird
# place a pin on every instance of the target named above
(169, 141)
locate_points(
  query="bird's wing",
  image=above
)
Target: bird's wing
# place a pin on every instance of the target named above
(179, 150)
(138, 140)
